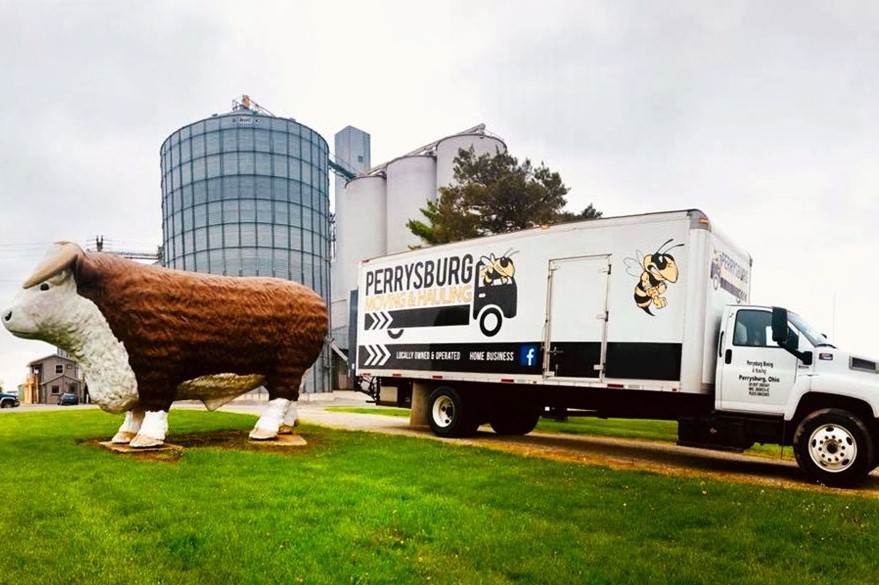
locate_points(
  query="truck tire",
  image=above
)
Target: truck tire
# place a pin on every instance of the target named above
(449, 415)
(519, 421)
(834, 447)
(489, 326)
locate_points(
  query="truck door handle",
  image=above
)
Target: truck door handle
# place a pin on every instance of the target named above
(555, 351)
(728, 356)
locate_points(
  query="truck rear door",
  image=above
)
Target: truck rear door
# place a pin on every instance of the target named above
(576, 317)
(753, 373)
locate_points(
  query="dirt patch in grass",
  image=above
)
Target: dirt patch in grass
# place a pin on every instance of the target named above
(230, 440)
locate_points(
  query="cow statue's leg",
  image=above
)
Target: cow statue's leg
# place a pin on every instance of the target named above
(153, 430)
(291, 418)
(283, 390)
(270, 422)
(130, 427)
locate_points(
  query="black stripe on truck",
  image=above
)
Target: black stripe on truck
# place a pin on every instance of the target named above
(426, 317)
(644, 361)
(638, 361)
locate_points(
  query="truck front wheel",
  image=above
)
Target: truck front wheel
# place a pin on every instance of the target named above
(449, 415)
(834, 447)
(490, 321)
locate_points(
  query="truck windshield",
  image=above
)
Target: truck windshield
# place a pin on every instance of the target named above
(815, 337)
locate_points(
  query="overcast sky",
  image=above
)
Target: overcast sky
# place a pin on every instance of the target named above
(763, 114)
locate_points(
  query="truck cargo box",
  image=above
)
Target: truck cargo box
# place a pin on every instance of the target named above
(628, 302)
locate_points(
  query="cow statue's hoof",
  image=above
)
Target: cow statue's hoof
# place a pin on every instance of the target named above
(286, 430)
(145, 442)
(123, 438)
(259, 434)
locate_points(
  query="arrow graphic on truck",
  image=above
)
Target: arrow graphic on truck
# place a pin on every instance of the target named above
(378, 320)
(377, 355)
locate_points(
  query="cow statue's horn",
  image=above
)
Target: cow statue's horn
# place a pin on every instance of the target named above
(63, 257)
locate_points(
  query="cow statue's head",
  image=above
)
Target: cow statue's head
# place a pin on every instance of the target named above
(48, 307)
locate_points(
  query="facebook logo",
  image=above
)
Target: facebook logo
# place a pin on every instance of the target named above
(528, 355)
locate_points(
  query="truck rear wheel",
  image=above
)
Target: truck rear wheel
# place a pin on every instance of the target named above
(515, 421)
(834, 447)
(449, 415)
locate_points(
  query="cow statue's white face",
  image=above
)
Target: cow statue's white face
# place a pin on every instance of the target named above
(47, 310)
(48, 306)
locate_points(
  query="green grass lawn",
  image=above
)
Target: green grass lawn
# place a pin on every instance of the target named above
(357, 507)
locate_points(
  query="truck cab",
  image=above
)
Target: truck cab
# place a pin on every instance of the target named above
(780, 380)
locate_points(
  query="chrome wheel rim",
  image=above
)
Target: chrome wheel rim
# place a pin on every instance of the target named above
(833, 448)
(443, 411)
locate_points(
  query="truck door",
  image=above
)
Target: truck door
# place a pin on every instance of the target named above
(576, 317)
(753, 373)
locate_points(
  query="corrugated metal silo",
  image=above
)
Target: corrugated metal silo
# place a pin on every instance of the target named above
(411, 183)
(246, 193)
(447, 151)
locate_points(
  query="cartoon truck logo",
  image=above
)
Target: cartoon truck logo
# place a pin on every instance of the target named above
(496, 294)
(487, 295)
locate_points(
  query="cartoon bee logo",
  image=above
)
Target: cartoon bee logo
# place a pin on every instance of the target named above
(653, 272)
(494, 270)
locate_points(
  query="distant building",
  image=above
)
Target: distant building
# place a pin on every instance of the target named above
(50, 377)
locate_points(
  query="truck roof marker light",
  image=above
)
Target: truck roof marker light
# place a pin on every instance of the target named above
(436, 377)
(704, 220)
(616, 386)
(396, 375)
(507, 380)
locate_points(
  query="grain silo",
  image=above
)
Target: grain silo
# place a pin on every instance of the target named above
(245, 193)
(411, 184)
(360, 234)
(447, 150)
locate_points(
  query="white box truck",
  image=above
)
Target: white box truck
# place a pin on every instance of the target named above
(643, 316)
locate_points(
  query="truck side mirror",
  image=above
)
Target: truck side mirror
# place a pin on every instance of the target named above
(781, 335)
(779, 326)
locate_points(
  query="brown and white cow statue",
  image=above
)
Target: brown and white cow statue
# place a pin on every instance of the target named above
(146, 336)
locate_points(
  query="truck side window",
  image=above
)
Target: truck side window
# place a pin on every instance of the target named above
(753, 328)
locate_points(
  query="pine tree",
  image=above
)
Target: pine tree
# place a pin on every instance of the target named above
(494, 194)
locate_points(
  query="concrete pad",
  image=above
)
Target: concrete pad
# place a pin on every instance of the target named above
(281, 441)
(128, 449)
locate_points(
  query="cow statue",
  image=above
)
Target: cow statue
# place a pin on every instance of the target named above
(146, 336)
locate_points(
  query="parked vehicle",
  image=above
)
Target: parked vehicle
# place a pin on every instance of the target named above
(68, 399)
(8, 400)
(632, 317)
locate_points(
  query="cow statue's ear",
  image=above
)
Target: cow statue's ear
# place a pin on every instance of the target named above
(84, 272)
(60, 257)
